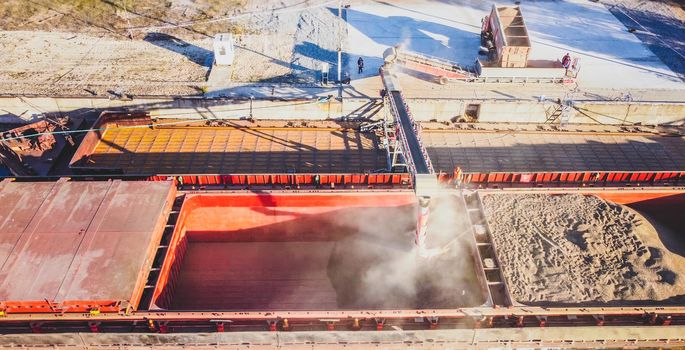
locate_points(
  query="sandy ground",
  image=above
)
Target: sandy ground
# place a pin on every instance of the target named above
(611, 56)
(52, 48)
(289, 47)
(124, 19)
(653, 22)
(82, 64)
(276, 42)
(573, 249)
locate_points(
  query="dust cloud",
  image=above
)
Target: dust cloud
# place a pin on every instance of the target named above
(379, 266)
(335, 258)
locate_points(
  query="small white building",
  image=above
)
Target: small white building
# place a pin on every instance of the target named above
(224, 52)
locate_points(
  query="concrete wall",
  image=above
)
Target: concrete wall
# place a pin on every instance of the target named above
(586, 112)
(622, 113)
(261, 109)
(26, 109)
(505, 111)
(440, 110)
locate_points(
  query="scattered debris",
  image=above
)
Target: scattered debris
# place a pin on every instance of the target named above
(33, 149)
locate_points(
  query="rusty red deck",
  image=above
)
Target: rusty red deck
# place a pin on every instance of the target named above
(137, 145)
(545, 151)
(78, 246)
(496, 158)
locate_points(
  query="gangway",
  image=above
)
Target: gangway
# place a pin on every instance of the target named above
(443, 69)
(539, 72)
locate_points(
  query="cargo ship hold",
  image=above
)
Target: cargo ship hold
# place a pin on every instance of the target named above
(162, 228)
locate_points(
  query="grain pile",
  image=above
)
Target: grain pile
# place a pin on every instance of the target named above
(573, 248)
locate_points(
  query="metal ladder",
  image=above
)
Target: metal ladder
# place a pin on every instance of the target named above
(486, 251)
(391, 143)
(567, 113)
(553, 113)
(162, 249)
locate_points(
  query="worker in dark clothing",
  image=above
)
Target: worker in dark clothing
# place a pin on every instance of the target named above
(566, 61)
(360, 65)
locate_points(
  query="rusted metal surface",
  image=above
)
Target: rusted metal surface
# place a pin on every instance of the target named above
(294, 181)
(162, 148)
(472, 339)
(92, 137)
(16, 211)
(79, 246)
(568, 179)
(501, 158)
(33, 149)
